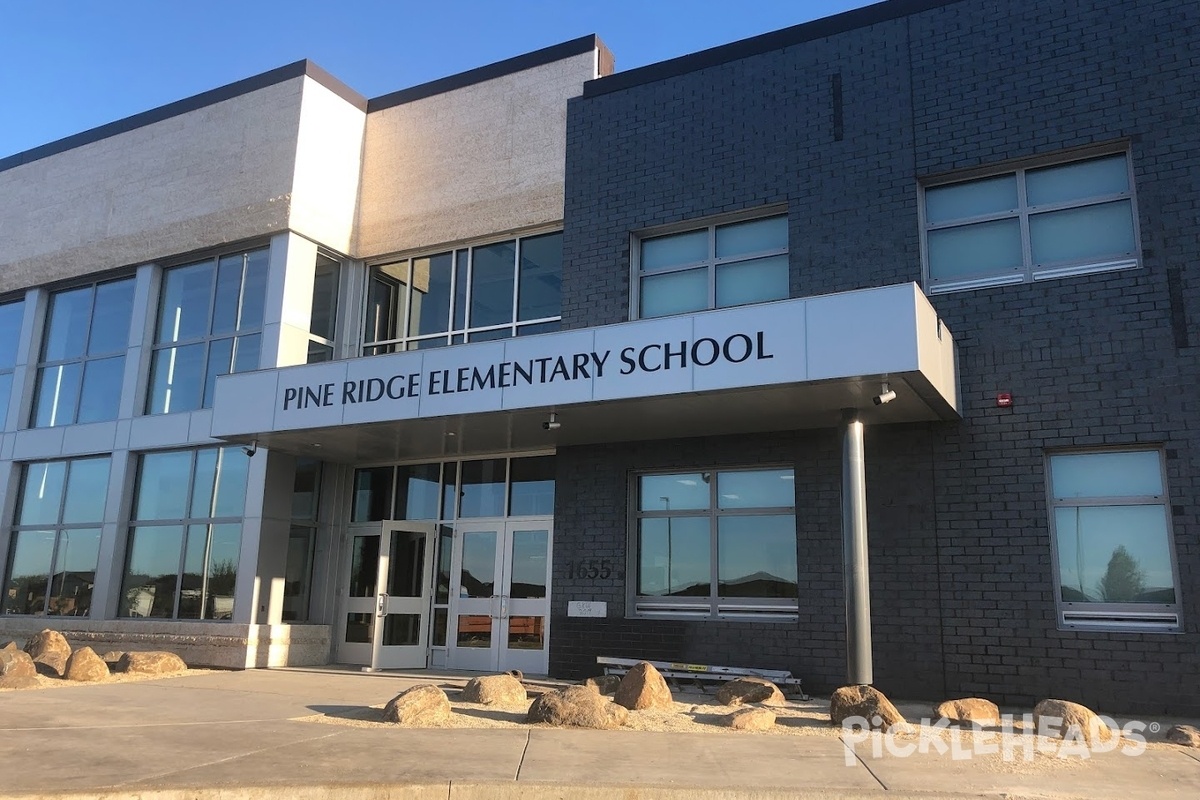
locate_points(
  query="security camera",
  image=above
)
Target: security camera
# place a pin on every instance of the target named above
(251, 449)
(886, 396)
(551, 424)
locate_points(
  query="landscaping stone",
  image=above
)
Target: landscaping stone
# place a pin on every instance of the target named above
(577, 707)
(750, 690)
(1065, 719)
(85, 666)
(603, 684)
(643, 687)
(51, 650)
(968, 711)
(494, 690)
(750, 719)
(112, 657)
(19, 682)
(16, 663)
(425, 704)
(1186, 735)
(866, 702)
(150, 662)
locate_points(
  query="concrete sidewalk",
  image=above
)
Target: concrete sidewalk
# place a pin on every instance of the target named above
(239, 735)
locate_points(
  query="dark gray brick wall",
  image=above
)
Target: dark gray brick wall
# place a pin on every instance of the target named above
(962, 578)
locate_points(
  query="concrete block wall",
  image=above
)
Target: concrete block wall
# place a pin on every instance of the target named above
(958, 512)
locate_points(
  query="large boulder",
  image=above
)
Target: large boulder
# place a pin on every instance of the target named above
(750, 719)
(85, 666)
(1186, 735)
(49, 649)
(1064, 719)
(16, 663)
(425, 704)
(750, 690)
(866, 702)
(643, 687)
(969, 711)
(576, 707)
(19, 682)
(150, 662)
(494, 690)
(603, 684)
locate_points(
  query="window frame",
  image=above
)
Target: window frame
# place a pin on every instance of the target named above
(9, 372)
(316, 342)
(453, 334)
(44, 364)
(636, 273)
(1029, 271)
(715, 607)
(1103, 616)
(208, 338)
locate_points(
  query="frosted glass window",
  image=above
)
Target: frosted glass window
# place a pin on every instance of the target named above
(753, 489)
(1078, 181)
(753, 237)
(1132, 473)
(677, 250)
(986, 248)
(681, 492)
(971, 199)
(757, 281)
(1098, 231)
(674, 293)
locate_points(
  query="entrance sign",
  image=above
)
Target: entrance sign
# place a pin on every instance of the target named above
(869, 332)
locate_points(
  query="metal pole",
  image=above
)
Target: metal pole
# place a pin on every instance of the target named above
(854, 544)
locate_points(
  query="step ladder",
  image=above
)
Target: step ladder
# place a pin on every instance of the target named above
(675, 672)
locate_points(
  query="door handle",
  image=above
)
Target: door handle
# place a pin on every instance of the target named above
(503, 606)
(381, 605)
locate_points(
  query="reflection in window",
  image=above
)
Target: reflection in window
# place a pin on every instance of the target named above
(10, 336)
(302, 538)
(322, 325)
(56, 538)
(185, 538)
(82, 364)
(716, 543)
(1112, 540)
(482, 293)
(209, 324)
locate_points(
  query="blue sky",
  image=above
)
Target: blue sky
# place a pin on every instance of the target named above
(69, 65)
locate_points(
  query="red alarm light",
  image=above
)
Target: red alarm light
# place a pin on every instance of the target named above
(1004, 400)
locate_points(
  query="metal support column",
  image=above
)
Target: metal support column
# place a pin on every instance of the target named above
(854, 548)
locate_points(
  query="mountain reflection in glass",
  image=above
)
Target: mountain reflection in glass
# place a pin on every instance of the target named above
(756, 556)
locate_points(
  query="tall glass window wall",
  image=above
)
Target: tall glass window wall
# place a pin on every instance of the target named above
(10, 337)
(56, 538)
(186, 534)
(209, 324)
(492, 291)
(322, 326)
(82, 363)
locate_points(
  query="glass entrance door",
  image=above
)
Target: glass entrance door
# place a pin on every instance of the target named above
(388, 592)
(500, 606)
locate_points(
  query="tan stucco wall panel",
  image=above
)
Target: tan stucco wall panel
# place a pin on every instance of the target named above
(213, 175)
(479, 160)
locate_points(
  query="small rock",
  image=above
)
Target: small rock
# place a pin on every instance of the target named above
(643, 687)
(494, 690)
(750, 690)
(19, 682)
(151, 662)
(516, 673)
(50, 649)
(425, 704)
(1186, 735)
(576, 707)
(85, 666)
(112, 657)
(750, 719)
(603, 684)
(1064, 718)
(16, 663)
(969, 710)
(866, 702)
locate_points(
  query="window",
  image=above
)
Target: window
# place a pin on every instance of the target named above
(713, 267)
(83, 354)
(493, 291)
(1112, 540)
(715, 544)
(10, 336)
(490, 487)
(186, 534)
(56, 538)
(323, 321)
(297, 581)
(1032, 223)
(209, 324)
